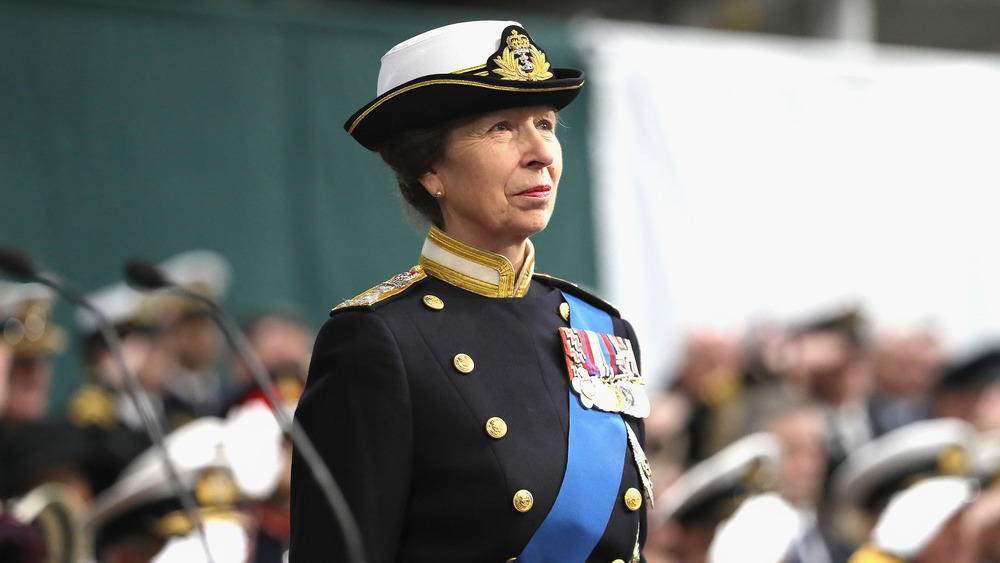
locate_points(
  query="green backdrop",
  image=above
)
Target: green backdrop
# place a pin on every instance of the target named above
(144, 129)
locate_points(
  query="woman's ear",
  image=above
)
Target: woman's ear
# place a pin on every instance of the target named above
(432, 183)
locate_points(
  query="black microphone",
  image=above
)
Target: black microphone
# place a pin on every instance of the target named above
(19, 265)
(147, 275)
(16, 263)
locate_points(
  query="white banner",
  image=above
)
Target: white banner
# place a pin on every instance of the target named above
(740, 176)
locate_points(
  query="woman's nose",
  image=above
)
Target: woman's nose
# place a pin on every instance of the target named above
(538, 150)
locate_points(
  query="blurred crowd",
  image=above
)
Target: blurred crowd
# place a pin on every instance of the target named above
(89, 483)
(814, 440)
(825, 440)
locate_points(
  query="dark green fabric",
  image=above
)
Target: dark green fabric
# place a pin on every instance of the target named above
(149, 128)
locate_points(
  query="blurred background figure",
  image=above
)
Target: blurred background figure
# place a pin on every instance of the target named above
(707, 393)
(692, 506)
(102, 400)
(970, 389)
(141, 518)
(828, 360)
(863, 484)
(282, 340)
(31, 338)
(801, 478)
(982, 519)
(923, 524)
(195, 387)
(908, 363)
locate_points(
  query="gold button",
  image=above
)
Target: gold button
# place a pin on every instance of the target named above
(464, 363)
(633, 499)
(523, 500)
(512, 559)
(433, 302)
(564, 311)
(496, 427)
(618, 561)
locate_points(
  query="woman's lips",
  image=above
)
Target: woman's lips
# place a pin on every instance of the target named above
(537, 192)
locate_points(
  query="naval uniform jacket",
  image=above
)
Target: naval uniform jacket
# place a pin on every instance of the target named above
(403, 426)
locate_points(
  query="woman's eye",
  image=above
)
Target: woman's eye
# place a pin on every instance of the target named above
(500, 127)
(546, 125)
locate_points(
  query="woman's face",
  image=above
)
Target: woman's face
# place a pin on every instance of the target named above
(499, 176)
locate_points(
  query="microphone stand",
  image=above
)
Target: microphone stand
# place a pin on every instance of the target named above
(21, 266)
(150, 276)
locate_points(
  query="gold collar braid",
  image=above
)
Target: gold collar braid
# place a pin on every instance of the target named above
(474, 269)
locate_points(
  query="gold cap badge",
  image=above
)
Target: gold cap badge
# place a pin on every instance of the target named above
(520, 59)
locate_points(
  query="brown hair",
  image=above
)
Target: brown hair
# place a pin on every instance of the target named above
(411, 154)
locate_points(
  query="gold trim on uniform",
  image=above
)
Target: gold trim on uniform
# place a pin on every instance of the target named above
(496, 427)
(433, 302)
(464, 363)
(523, 501)
(952, 460)
(386, 289)
(93, 405)
(473, 269)
(633, 499)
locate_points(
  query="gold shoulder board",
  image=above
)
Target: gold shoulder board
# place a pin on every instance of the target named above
(385, 289)
(92, 405)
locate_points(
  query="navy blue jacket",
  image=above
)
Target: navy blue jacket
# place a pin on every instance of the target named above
(404, 431)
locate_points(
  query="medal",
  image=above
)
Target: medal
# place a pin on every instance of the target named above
(603, 372)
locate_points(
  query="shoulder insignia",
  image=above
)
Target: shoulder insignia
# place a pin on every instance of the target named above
(385, 289)
(578, 291)
(92, 405)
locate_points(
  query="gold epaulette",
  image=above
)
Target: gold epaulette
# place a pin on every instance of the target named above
(385, 289)
(92, 405)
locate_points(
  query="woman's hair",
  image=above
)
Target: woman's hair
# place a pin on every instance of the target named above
(411, 154)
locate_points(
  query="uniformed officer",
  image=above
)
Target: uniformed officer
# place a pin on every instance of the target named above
(33, 337)
(713, 489)
(862, 486)
(471, 409)
(195, 387)
(142, 518)
(922, 524)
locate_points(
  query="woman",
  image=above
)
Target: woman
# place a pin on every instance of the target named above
(461, 406)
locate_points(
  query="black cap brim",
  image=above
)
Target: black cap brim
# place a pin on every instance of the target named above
(435, 99)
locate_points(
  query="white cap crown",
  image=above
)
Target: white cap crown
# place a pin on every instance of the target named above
(444, 50)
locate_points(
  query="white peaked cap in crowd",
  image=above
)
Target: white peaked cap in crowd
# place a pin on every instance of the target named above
(916, 514)
(444, 50)
(203, 271)
(247, 445)
(926, 447)
(244, 449)
(119, 303)
(762, 530)
(193, 448)
(14, 295)
(745, 462)
(227, 541)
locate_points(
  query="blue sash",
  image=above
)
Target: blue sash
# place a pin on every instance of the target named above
(597, 444)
